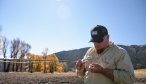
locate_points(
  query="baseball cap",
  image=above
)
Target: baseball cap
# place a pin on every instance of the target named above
(98, 33)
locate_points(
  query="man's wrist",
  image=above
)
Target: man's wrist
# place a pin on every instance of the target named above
(81, 72)
(108, 73)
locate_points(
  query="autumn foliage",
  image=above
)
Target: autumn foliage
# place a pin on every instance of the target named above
(45, 63)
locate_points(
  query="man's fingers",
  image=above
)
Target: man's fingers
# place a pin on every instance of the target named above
(95, 68)
(79, 64)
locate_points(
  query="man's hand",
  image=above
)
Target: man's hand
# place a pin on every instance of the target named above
(80, 65)
(95, 68)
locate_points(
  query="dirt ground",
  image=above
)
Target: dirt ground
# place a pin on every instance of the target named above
(47, 78)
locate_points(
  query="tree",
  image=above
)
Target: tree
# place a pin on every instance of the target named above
(23, 51)
(5, 43)
(35, 62)
(55, 65)
(45, 52)
(45, 63)
(30, 57)
(18, 49)
(15, 48)
(1, 41)
(52, 67)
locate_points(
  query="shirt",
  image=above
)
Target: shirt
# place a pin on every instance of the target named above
(113, 57)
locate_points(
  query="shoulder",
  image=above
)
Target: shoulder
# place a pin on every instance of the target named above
(91, 50)
(89, 53)
(119, 49)
(120, 53)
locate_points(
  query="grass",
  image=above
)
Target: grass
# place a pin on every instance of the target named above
(56, 78)
(38, 78)
(140, 73)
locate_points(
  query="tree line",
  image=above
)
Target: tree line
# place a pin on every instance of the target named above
(19, 52)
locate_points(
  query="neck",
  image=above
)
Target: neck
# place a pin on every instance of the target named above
(101, 50)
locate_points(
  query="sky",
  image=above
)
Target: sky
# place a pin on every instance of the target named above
(62, 25)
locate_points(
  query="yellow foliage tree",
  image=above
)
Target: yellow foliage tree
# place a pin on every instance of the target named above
(55, 65)
(52, 64)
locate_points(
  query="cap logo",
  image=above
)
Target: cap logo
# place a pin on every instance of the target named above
(94, 33)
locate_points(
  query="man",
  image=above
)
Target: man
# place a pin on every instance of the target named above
(105, 63)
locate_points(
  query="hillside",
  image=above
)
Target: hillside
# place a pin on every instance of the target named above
(72, 56)
(136, 52)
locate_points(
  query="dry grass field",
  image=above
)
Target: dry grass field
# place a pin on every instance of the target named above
(140, 73)
(56, 78)
(39, 78)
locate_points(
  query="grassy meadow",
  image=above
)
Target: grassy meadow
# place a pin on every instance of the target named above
(140, 73)
(56, 78)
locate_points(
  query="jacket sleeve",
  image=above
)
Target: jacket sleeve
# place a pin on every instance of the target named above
(124, 72)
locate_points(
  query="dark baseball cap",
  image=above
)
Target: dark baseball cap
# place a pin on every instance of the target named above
(98, 33)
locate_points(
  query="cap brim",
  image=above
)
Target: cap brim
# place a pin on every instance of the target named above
(96, 40)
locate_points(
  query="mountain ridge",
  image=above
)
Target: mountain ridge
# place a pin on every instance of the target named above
(137, 54)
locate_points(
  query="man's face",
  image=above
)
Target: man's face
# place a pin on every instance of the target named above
(101, 45)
